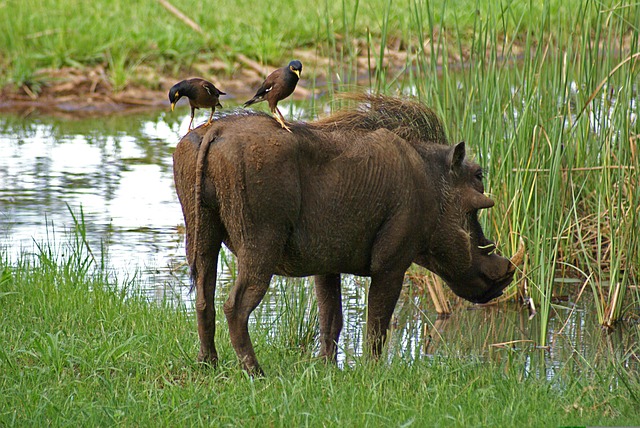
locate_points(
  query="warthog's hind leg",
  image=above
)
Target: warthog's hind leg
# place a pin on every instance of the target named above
(206, 275)
(246, 294)
(330, 314)
(204, 232)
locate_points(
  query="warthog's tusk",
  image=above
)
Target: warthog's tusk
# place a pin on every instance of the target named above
(492, 246)
(518, 257)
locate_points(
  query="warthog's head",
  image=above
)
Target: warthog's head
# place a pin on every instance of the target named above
(458, 251)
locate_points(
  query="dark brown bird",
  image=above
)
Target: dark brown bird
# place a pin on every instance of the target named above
(201, 94)
(278, 86)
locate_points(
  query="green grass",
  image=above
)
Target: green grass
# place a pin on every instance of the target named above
(545, 95)
(84, 349)
(127, 37)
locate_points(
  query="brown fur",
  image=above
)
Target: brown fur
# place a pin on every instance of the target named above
(408, 119)
(366, 191)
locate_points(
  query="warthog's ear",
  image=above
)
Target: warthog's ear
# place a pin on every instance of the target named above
(456, 157)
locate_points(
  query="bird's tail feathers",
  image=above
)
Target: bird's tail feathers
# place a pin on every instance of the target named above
(253, 101)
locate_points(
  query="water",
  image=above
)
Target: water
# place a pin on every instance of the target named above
(117, 171)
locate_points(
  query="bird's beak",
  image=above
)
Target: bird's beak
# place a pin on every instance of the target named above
(173, 106)
(297, 73)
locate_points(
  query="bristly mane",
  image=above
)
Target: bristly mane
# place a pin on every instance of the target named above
(408, 119)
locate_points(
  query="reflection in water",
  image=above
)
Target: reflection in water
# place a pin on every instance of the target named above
(118, 171)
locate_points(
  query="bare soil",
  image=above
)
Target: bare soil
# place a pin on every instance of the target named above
(82, 92)
(74, 92)
(88, 91)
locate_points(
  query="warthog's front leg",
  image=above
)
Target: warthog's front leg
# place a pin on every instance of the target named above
(330, 313)
(383, 295)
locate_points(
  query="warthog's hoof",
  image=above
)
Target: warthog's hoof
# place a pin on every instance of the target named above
(253, 369)
(208, 359)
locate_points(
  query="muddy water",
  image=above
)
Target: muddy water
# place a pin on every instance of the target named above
(117, 172)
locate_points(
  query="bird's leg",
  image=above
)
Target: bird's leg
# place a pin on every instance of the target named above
(210, 117)
(280, 119)
(191, 123)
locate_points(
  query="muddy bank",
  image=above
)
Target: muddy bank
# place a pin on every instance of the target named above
(90, 91)
(75, 92)
(84, 92)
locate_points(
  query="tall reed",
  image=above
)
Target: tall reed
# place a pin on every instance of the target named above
(551, 109)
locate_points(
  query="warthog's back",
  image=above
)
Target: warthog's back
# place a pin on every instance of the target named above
(323, 199)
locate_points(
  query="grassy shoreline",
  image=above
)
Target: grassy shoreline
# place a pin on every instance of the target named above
(85, 349)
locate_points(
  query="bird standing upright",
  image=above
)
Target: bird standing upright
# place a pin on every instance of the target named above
(278, 86)
(201, 94)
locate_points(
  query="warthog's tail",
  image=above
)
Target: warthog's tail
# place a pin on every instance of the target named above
(201, 159)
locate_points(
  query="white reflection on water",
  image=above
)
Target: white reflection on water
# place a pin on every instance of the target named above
(122, 183)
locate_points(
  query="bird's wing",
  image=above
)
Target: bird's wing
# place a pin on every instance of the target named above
(212, 90)
(269, 83)
(262, 90)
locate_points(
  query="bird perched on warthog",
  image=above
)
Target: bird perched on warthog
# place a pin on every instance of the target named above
(276, 87)
(201, 94)
(366, 191)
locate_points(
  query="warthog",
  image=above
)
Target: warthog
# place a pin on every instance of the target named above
(365, 191)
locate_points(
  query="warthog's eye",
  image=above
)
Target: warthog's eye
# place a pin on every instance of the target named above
(480, 174)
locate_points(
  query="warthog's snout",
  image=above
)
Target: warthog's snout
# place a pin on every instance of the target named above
(501, 277)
